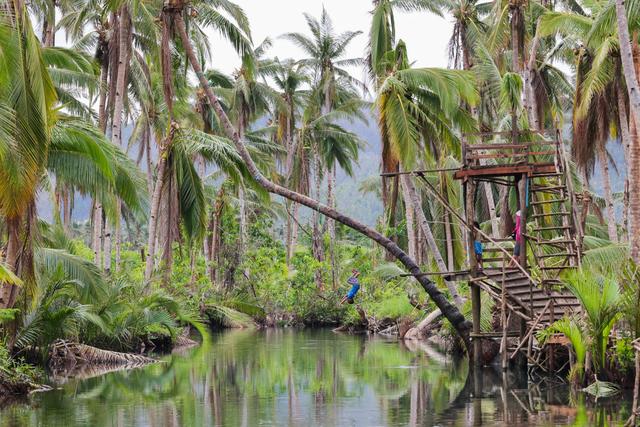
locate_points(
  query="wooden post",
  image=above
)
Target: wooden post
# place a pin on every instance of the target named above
(636, 390)
(504, 320)
(470, 195)
(522, 203)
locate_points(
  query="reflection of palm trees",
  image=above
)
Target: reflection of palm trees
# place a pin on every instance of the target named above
(243, 376)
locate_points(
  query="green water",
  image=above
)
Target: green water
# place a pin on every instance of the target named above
(307, 378)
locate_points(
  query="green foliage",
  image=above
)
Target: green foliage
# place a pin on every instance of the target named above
(624, 354)
(574, 333)
(600, 299)
(16, 370)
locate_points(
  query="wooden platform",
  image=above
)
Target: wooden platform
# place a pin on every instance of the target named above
(505, 170)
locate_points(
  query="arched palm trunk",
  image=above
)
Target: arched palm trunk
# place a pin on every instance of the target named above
(451, 312)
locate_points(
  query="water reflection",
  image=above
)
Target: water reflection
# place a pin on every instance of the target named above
(307, 378)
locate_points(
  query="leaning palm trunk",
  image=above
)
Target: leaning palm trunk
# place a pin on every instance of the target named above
(633, 88)
(608, 195)
(451, 312)
(409, 188)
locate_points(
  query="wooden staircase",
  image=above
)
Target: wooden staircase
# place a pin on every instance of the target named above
(539, 299)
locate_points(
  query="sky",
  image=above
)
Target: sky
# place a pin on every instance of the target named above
(426, 35)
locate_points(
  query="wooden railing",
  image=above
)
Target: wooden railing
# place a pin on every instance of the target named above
(526, 148)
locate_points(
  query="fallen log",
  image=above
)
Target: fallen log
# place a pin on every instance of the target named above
(66, 355)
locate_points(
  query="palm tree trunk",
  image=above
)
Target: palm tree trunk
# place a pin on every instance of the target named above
(102, 123)
(11, 258)
(449, 240)
(410, 190)
(294, 229)
(409, 213)
(118, 234)
(66, 208)
(107, 246)
(244, 235)
(124, 55)
(626, 142)
(530, 105)
(331, 201)
(147, 148)
(155, 204)
(97, 234)
(633, 88)
(608, 195)
(317, 243)
(451, 312)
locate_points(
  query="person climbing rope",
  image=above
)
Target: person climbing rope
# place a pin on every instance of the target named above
(355, 287)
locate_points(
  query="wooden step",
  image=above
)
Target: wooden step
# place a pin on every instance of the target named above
(557, 227)
(549, 214)
(544, 202)
(545, 175)
(542, 189)
(559, 267)
(554, 242)
(561, 254)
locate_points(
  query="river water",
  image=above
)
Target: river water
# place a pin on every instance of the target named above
(308, 378)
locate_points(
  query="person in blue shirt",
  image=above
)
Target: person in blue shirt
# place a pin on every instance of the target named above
(355, 287)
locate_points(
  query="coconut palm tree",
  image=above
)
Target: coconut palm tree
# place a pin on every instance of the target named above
(326, 60)
(43, 138)
(289, 78)
(382, 40)
(449, 311)
(418, 110)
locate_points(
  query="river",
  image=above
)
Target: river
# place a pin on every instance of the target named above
(284, 377)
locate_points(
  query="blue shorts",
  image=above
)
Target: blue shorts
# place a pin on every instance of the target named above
(477, 247)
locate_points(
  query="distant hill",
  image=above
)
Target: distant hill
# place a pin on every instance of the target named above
(366, 208)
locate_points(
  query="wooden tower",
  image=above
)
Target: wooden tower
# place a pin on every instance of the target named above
(534, 167)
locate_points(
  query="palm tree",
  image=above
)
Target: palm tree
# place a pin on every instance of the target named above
(417, 107)
(235, 30)
(42, 138)
(325, 50)
(289, 78)
(382, 40)
(449, 311)
(250, 98)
